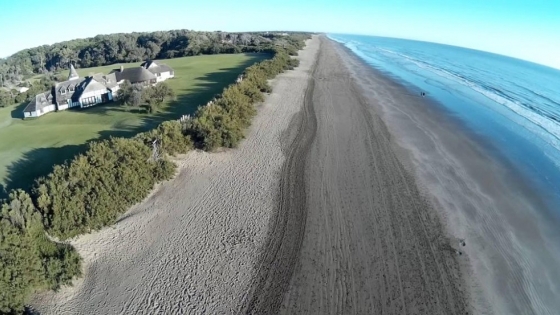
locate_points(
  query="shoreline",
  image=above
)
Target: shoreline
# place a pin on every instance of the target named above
(372, 242)
(479, 195)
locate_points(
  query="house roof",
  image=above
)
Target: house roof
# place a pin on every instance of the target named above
(148, 63)
(109, 80)
(31, 107)
(73, 73)
(68, 87)
(154, 67)
(135, 75)
(88, 85)
(40, 101)
(160, 69)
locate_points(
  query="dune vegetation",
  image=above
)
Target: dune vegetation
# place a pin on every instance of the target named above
(95, 187)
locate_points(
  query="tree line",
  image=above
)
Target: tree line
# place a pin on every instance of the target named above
(12, 96)
(104, 50)
(95, 187)
(109, 49)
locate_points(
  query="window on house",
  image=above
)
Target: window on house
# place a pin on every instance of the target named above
(62, 91)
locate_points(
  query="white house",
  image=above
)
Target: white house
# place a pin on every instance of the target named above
(96, 89)
(161, 71)
(40, 105)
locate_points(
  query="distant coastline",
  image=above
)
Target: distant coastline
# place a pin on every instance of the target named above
(501, 55)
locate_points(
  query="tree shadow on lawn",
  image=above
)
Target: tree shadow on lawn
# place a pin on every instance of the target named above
(36, 163)
(39, 162)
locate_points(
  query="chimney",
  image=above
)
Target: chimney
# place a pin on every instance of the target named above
(122, 68)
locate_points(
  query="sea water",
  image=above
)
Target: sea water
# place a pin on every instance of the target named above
(514, 104)
(512, 109)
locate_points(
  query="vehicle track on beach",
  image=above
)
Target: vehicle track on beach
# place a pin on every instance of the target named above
(373, 244)
(281, 252)
(353, 234)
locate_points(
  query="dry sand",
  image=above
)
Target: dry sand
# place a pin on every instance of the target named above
(191, 247)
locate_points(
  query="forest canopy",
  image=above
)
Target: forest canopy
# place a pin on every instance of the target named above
(133, 47)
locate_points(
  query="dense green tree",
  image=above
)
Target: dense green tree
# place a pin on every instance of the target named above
(93, 189)
(114, 48)
(29, 261)
(131, 94)
(169, 136)
(155, 95)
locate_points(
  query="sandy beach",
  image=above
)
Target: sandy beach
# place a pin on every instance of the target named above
(332, 205)
(314, 213)
(510, 261)
(372, 242)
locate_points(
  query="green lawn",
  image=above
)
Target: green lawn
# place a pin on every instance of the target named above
(29, 148)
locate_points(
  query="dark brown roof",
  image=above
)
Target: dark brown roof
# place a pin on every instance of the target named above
(135, 75)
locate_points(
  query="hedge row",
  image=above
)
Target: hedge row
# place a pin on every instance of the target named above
(221, 123)
(93, 189)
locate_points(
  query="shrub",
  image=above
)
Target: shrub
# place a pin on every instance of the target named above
(29, 261)
(222, 123)
(93, 189)
(170, 136)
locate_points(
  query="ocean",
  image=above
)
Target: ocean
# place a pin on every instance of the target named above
(514, 104)
(511, 108)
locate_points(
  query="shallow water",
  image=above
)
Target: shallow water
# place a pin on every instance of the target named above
(487, 149)
(513, 104)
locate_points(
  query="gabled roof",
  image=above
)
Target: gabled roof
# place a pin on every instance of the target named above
(148, 64)
(109, 80)
(160, 69)
(40, 101)
(135, 75)
(88, 85)
(69, 87)
(154, 67)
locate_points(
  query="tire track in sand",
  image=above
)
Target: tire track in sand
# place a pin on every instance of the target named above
(372, 243)
(287, 228)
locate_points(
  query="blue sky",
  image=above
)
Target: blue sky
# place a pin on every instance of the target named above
(526, 29)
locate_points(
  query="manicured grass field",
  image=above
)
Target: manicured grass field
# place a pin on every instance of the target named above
(29, 148)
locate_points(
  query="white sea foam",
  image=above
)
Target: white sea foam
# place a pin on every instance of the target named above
(545, 127)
